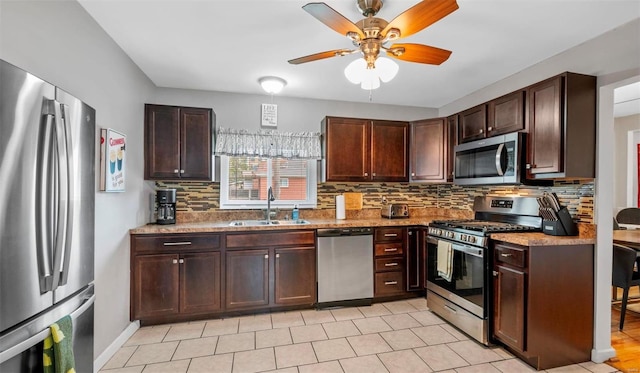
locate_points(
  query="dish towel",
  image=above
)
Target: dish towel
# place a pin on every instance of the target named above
(445, 259)
(58, 348)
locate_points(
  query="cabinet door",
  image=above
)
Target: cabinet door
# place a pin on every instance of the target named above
(472, 124)
(389, 151)
(545, 127)
(295, 276)
(162, 142)
(195, 144)
(506, 114)
(415, 260)
(509, 306)
(452, 141)
(247, 278)
(428, 150)
(200, 279)
(155, 285)
(347, 149)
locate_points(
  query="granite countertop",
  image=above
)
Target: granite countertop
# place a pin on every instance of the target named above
(586, 236)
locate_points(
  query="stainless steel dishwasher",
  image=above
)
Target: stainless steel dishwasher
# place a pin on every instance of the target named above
(345, 267)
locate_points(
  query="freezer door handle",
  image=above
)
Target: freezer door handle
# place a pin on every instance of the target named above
(67, 164)
(39, 337)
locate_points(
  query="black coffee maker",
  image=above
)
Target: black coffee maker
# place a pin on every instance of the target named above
(166, 206)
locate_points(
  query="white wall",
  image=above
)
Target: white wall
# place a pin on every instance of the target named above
(294, 114)
(60, 43)
(621, 181)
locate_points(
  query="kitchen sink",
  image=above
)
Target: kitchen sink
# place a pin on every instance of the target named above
(255, 223)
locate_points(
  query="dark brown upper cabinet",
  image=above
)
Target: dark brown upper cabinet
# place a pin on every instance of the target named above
(452, 141)
(496, 117)
(178, 143)
(561, 122)
(472, 124)
(428, 150)
(365, 150)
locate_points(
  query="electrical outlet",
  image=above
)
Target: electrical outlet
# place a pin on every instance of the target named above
(384, 200)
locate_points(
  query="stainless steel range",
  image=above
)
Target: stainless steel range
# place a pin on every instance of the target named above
(459, 262)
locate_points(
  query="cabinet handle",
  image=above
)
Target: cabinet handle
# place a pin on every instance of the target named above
(366, 174)
(450, 309)
(495, 273)
(391, 282)
(391, 235)
(181, 171)
(181, 261)
(373, 174)
(506, 255)
(481, 130)
(390, 264)
(176, 171)
(413, 174)
(175, 261)
(266, 256)
(184, 243)
(527, 166)
(390, 249)
(410, 233)
(277, 256)
(490, 129)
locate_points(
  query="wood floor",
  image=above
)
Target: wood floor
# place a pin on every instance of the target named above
(626, 342)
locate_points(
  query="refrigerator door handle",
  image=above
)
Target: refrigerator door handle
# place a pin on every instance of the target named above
(69, 180)
(45, 199)
(62, 198)
(39, 337)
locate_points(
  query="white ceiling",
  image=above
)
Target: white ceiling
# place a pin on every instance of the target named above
(227, 45)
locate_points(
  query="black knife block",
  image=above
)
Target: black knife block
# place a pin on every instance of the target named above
(564, 226)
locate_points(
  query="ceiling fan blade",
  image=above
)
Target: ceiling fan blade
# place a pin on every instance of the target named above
(420, 16)
(320, 56)
(419, 53)
(331, 18)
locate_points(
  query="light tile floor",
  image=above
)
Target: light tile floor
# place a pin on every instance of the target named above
(393, 337)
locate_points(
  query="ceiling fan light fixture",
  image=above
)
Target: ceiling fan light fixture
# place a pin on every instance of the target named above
(386, 68)
(272, 84)
(357, 72)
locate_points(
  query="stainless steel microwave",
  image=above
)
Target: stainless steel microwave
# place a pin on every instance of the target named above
(494, 160)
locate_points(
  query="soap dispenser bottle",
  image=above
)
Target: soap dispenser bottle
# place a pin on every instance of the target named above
(295, 214)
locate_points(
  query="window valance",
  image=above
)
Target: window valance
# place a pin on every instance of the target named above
(268, 143)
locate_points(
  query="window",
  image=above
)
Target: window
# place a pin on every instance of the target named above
(245, 181)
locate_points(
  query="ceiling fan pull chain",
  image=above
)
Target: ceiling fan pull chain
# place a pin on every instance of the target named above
(370, 95)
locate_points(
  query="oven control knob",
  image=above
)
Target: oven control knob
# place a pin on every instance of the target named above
(463, 237)
(472, 239)
(450, 234)
(439, 232)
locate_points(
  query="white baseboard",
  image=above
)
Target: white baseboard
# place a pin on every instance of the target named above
(600, 356)
(115, 346)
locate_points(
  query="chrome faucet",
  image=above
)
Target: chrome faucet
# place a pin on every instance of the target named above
(270, 198)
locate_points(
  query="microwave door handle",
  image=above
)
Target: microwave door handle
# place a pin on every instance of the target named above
(499, 159)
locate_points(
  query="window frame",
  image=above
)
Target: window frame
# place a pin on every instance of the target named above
(228, 204)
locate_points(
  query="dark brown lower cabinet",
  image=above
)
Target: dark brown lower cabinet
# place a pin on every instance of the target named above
(543, 302)
(200, 282)
(155, 285)
(270, 270)
(415, 259)
(247, 279)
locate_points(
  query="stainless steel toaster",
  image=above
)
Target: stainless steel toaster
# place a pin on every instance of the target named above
(395, 210)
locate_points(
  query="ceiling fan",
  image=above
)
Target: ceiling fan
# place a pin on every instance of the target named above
(371, 34)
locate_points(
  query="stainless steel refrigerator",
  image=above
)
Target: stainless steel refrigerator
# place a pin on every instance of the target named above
(47, 192)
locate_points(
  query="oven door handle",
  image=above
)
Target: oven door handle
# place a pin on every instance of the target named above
(473, 251)
(499, 167)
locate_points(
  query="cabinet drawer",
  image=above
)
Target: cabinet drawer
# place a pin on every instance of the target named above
(389, 264)
(273, 238)
(174, 242)
(513, 255)
(387, 283)
(389, 234)
(389, 249)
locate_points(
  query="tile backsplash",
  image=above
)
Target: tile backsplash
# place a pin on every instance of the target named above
(577, 195)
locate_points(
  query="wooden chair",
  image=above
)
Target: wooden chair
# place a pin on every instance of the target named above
(624, 275)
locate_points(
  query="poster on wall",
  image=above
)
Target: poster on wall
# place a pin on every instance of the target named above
(112, 160)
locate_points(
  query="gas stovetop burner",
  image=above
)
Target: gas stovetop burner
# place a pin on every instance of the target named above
(482, 226)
